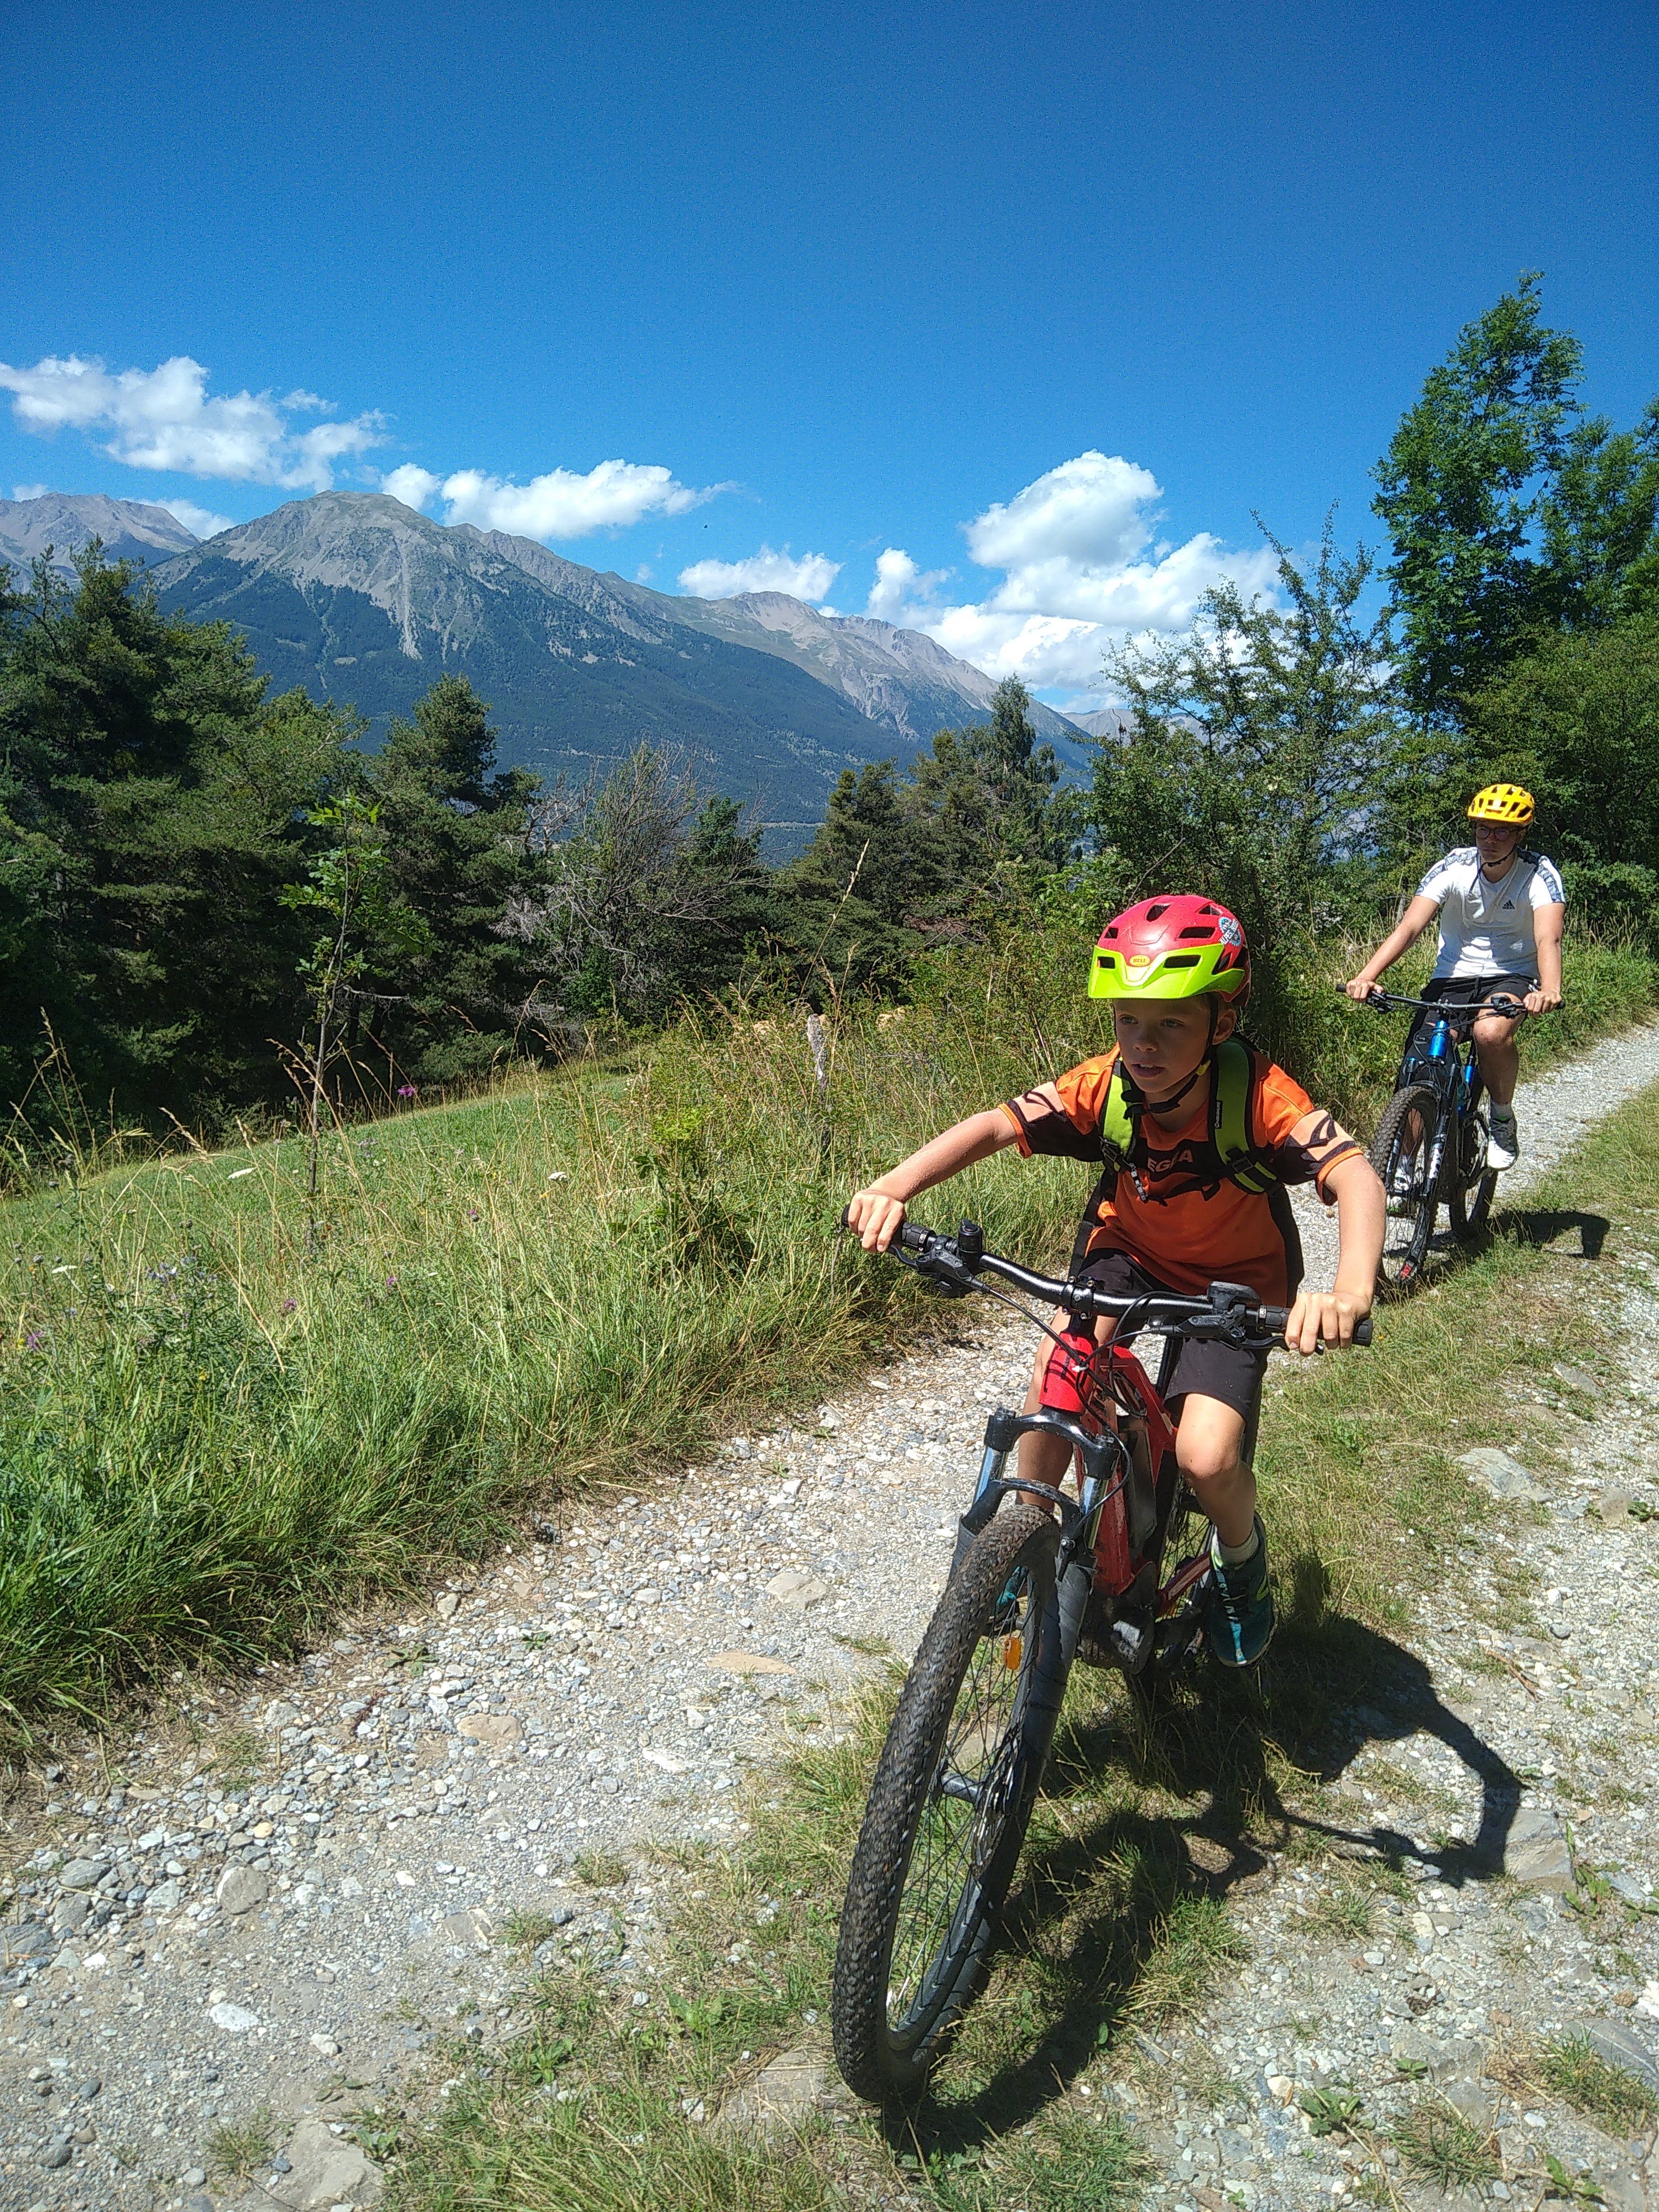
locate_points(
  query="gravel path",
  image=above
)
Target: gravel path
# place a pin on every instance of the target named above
(277, 1900)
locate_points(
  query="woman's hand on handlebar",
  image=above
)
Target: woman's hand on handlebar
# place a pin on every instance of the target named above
(875, 1218)
(1323, 1318)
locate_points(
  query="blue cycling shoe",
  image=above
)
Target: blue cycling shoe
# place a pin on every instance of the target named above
(1240, 1625)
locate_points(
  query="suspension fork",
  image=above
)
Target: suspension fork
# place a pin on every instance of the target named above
(1442, 1047)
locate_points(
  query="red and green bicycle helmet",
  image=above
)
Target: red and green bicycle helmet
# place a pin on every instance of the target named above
(1171, 948)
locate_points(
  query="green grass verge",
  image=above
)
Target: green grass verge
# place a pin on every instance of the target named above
(1570, 2067)
(1120, 1927)
(1438, 2143)
(225, 1412)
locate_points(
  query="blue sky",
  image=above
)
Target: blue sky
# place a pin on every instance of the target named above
(1007, 315)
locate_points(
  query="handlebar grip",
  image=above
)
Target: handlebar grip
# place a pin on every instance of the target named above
(912, 1236)
(1274, 1319)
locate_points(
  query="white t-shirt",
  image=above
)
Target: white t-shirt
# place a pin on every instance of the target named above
(1486, 927)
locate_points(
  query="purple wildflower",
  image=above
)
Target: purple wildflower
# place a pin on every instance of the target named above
(392, 1282)
(34, 1340)
(288, 1305)
(407, 1091)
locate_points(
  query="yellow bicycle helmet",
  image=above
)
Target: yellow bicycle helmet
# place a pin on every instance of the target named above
(1501, 802)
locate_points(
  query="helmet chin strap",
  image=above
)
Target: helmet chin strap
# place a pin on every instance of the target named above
(1136, 1099)
(1138, 1103)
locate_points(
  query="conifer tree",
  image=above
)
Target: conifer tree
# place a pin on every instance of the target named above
(455, 835)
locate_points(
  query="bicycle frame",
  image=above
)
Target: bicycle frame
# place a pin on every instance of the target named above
(1116, 1522)
(1456, 1078)
(1127, 1473)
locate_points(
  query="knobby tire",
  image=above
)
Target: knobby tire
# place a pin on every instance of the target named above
(1174, 1640)
(926, 1844)
(1405, 1237)
(1470, 1199)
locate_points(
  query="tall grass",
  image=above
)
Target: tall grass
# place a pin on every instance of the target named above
(221, 1416)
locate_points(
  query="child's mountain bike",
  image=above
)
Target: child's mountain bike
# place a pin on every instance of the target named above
(1035, 1572)
(1429, 1148)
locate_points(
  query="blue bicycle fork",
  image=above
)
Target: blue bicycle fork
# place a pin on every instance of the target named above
(1440, 1044)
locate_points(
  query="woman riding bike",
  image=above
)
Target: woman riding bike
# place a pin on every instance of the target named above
(1501, 910)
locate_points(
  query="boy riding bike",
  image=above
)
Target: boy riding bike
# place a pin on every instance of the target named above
(1197, 1134)
(1501, 911)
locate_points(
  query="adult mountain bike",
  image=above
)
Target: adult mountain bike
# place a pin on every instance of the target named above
(1429, 1148)
(1038, 1576)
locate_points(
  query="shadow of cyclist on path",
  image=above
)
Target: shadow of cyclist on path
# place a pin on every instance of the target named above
(1118, 1920)
(1540, 1226)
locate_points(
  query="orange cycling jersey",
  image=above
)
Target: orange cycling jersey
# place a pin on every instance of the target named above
(1184, 1224)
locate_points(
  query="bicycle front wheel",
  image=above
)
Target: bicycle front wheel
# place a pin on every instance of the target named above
(1399, 1153)
(948, 1807)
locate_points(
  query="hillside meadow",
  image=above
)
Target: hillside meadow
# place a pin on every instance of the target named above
(225, 1411)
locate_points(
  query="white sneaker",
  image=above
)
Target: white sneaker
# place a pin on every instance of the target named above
(1503, 1140)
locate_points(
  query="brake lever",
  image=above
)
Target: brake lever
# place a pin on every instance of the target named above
(935, 1260)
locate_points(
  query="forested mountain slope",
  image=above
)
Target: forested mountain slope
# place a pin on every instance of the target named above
(364, 601)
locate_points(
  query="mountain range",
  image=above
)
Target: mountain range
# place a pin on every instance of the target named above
(366, 602)
(63, 522)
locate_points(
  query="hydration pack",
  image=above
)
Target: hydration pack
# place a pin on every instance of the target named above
(1227, 1154)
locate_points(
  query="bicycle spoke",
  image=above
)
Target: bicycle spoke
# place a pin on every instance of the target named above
(961, 1820)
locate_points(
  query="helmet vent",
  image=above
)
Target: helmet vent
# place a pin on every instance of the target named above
(1198, 929)
(1157, 912)
(1181, 959)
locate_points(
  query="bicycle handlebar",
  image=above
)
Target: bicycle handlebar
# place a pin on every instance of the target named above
(1229, 1314)
(1388, 1001)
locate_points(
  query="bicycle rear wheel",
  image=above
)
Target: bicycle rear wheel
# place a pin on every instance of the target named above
(1176, 1633)
(948, 1807)
(1399, 1153)
(1470, 1200)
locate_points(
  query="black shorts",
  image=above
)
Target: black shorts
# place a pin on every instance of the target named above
(1225, 1372)
(1449, 991)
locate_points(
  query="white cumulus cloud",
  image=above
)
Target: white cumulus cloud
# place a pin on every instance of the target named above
(413, 485)
(900, 584)
(200, 522)
(30, 491)
(808, 578)
(166, 418)
(1081, 570)
(562, 504)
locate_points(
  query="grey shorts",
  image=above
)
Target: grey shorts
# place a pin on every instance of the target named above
(1225, 1372)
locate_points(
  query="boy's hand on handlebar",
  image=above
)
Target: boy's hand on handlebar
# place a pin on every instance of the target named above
(1359, 988)
(875, 1218)
(1323, 1316)
(1542, 1002)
